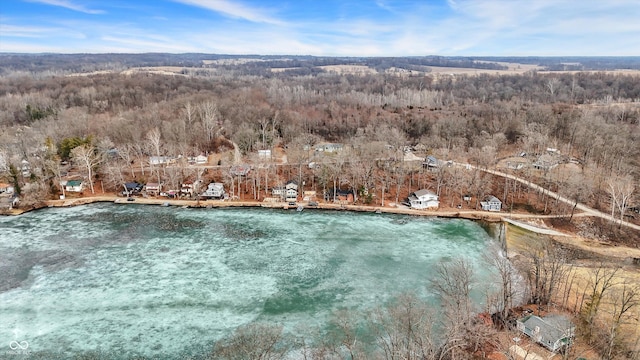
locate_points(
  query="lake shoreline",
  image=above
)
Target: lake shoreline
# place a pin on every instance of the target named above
(572, 240)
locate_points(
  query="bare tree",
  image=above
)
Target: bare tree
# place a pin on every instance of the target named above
(253, 342)
(86, 156)
(451, 283)
(601, 280)
(506, 275)
(547, 266)
(621, 189)
(404, 329)
(210, 117)
(624, 300)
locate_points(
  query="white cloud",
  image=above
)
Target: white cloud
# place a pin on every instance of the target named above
(68, 5)
(234, 9)
(24, 31)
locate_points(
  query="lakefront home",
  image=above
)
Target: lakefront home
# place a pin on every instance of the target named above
(214, 191)
(291, 190)
(74, 186)
(288, 192)
(424, 199)
(553, 331)
(153, 188)
(491, 203)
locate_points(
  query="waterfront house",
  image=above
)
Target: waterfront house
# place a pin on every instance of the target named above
(491, 203)
(153, 188)
(74, 186)
(288, 192)
(214, 191)
(340, 195)
(424, 199)
(132, 188)
(553, 332)
(278, 192)
(291, 190)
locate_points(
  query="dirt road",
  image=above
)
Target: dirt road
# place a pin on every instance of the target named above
(582, 207)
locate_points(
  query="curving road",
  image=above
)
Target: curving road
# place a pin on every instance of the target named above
(586, 210)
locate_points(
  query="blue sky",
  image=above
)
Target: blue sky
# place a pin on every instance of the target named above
(324, 27)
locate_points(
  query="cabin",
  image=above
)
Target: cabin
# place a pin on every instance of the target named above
(214, 191)
(423, 199)
(74, 186)
(554, 332)
(491, 203)
(340, 195)
(132, 188)
(309, 195)
(153, 188)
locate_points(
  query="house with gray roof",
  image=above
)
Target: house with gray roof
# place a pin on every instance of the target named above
(553, 331)
(491, 203)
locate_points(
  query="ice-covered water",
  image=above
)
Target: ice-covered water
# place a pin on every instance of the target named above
(121, 280)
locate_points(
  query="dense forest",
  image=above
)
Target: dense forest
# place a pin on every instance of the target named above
(52, 107)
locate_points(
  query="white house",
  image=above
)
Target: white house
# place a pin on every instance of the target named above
(214, 190)
(288, 192)
(160, 160)
(25, 167)
(73, 186)
(188, 188)
(491, 203)
(424, 199)
(201, 159)
(264, 154)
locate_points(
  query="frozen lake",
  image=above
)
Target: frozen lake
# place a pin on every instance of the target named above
(126, 280)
